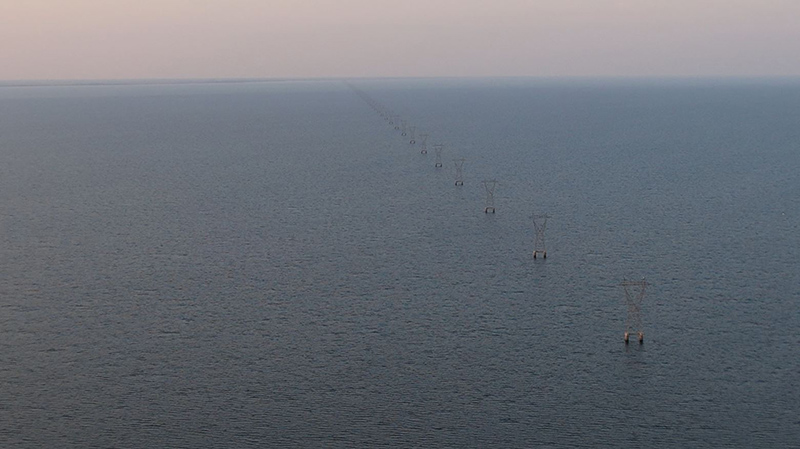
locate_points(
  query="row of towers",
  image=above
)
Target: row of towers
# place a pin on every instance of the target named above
(634, 290)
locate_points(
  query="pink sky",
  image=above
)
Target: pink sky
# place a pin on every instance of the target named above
(113, 39)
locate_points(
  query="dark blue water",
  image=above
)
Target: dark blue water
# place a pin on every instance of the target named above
(271, 264)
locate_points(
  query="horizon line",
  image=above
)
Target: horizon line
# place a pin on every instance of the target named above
(87, 82)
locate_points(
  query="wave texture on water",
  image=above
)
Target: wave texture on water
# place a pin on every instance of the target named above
(272, 264)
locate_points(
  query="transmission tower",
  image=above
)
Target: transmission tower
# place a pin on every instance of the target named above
(411, 131)
(403, 127)
(437, 148)
(489, 186)
(423, 148)
(540, 226)
(634, 295)
(459, 171)
(396, 121)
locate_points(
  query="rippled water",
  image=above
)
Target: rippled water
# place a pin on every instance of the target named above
(271, 264)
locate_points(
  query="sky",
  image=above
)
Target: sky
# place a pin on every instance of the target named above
(146, 39)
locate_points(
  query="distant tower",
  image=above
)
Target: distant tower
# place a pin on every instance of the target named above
(634, 295)
(411, 131)
(539, 226)
(459, 171)
(489, 187)
(403, 127)
(437, 148)
(423, 148)
(396, 121)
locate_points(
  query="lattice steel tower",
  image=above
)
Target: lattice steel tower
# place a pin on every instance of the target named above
(411, 131)
(634, 295)
(423, 148)
(539, 226)
(489, 186)
(459, 171)
(438, 150)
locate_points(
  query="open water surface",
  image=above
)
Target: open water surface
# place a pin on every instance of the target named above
(272, 264)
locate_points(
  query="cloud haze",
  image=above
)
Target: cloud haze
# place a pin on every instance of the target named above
(101, 39)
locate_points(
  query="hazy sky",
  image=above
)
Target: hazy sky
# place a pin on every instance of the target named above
(110, 39)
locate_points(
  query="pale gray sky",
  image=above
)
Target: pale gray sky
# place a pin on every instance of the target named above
(124, 39)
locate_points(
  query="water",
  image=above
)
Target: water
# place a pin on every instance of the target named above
(271, 264)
